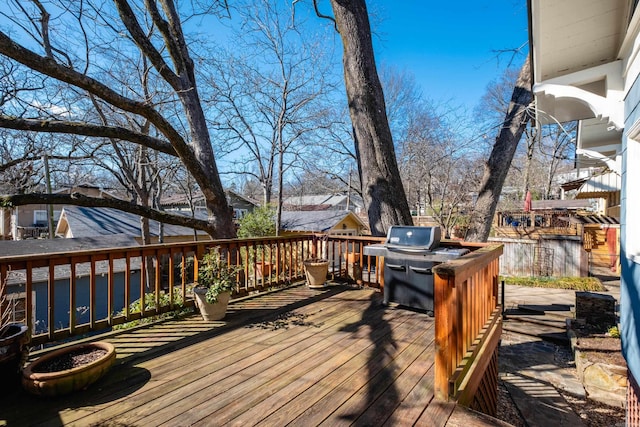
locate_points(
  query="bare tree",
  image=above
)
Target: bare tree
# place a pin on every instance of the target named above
(269, 110)
(497, 166)
(545, 151)
(383, 193)
(557, 147)
(69, 49)
(438, 165)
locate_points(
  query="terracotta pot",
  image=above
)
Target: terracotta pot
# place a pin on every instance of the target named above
(263, 269)
(316, 271)
(69, 380)
(351, 257)
(215, 311)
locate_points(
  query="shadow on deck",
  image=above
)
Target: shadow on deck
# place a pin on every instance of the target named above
(295, 357)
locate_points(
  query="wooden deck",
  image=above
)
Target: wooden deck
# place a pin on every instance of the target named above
(296, 357)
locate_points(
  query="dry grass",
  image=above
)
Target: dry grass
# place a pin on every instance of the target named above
(572, 283)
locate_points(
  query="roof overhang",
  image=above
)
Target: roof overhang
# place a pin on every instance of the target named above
(576, 52)
(599, 186)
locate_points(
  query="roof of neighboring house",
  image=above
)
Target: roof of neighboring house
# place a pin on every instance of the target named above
(560, 204)
(594, 186)
(91, 222)
(320, 201)
(597, 185)
(45, 246)
(598, 219)
(182, 199)
(319, 221)
(81, 188)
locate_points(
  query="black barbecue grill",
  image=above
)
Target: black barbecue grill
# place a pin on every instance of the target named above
(410, 252)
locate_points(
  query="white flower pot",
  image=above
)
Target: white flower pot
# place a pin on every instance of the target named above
(215, 311)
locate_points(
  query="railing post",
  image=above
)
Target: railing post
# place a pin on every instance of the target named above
(442, 295)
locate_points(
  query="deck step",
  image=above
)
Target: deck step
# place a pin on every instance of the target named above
(550, 330)
(547, 321)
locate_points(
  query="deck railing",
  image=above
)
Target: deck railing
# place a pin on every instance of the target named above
(69, 294)
(468, 325)
(554, 221)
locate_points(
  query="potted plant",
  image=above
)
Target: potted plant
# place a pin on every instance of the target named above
(14, 350)
(14, 341)
(316, 270)
(216, 281)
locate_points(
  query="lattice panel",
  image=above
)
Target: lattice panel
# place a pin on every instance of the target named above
(543, 261)
(633, 401)
(486, 397)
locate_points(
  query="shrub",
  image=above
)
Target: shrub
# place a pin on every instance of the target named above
(573, 283)
(259, 223)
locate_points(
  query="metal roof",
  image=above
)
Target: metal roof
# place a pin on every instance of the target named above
(595, 186)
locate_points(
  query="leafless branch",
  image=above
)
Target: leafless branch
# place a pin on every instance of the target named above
(87, 129)
(323, 16)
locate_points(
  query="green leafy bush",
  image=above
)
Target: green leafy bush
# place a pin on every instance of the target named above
(259, 223)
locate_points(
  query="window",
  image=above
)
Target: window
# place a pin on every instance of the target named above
(40, 217)
(239, 213)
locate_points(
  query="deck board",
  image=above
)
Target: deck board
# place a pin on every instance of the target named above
(295, 357)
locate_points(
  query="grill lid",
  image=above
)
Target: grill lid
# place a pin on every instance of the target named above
(413, 238)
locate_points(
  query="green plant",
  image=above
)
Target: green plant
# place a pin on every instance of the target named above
(150, 304)
(178, 271)
(614, 332)
(259, 223)
(573, 283)
(216, 275)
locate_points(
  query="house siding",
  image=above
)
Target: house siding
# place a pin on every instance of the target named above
(83, 314)
(630, 274)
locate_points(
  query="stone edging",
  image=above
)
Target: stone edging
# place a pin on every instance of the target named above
(603, 382)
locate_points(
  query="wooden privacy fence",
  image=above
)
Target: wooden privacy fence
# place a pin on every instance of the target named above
(468, 325)
(549, 255)
(61, 295)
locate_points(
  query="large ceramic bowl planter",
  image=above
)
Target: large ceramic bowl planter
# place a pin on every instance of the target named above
(211, 311)
(316, 271)
(68, 380)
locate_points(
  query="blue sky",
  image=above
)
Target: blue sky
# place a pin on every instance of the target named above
(449, 46)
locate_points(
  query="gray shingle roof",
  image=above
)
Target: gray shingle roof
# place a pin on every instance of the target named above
(319, 221)
(92, 222)
(44, 246)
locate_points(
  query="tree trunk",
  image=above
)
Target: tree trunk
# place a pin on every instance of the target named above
(382, 189)
(496, 168)
(220, 213)
(531, 141)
